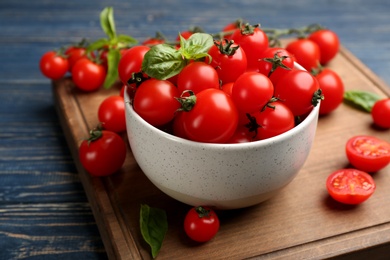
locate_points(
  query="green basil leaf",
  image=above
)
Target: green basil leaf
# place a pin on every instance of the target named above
(113, 57)
(107, 22)
(163, 61)
(154, 225)
(98, 44)
(363, 100)
(126, 39)
(197, 45)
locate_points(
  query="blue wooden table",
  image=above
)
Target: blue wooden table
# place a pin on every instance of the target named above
(44, 213)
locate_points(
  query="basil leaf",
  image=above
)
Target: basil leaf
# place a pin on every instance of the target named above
(362, 100)
(154, 225)
(196, 46)
(162, 62)
(107, 22)
(126, 39)
(98, 44)
(113, 57)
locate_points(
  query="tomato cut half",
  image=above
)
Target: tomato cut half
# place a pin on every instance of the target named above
(350, 186)
(368, 153)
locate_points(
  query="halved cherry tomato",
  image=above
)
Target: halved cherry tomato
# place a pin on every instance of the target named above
(368, 153)
(350, 186)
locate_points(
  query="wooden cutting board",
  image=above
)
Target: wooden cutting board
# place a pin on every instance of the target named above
(302, 222)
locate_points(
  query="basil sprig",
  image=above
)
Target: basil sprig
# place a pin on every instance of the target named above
(163, 61)
(362, 100)
(154, 226)
(113, 43)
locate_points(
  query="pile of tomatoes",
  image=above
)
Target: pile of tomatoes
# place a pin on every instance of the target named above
(241, 88)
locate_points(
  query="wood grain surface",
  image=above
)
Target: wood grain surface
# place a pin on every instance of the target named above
(44, 210)
(300, 222)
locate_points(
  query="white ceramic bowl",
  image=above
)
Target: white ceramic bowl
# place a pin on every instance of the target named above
(226, 176)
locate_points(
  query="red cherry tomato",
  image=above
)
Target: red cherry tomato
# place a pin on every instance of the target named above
(88, 75)
(53, 65)
(350, 186)
(155, 101)
(252, 91)
(274, 121)
(297, 90)
(368, 153)
(131, 62)
(197, 76)
(275, 63)
(201, 224)
(381, 113)
(253, 41)
(328, 42)
(103, 153)
(111, 114)
(306, 52)
(228, 59)
(74, 54)
(241, 135)
(212, 119)
(332, 88)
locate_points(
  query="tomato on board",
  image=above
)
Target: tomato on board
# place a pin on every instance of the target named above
(197, 76)
(111, 114)
(155, 101)
(252, 91)
(328, 42)
(299, 90)
(381, 113)
(228, 59)
(201, 224)
(88, 75)
(332, 88)
(306, 52)
(53, 65)
(74, 54)
(368, 153)
(212, 118)
(350, 186)
(103, 153)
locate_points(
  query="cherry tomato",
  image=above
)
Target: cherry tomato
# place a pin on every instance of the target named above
(275, 63)
(252, 91)
(253, 41)
(53, 65)
(74, 54)
(88, 75)
(228, 59)
(111, 114)
(350, 186)
(178, 125)
(103, 153)
(231, 27)
(131, 62)
(274, 120)
(381, 113)
(155, 101)
(306, 52)
(332, 88)
(201, 224)
(212, 119)
(368, 153)
(152, 41)
(197, 76)
(241, 135)
(297, 89)
(328, 42)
